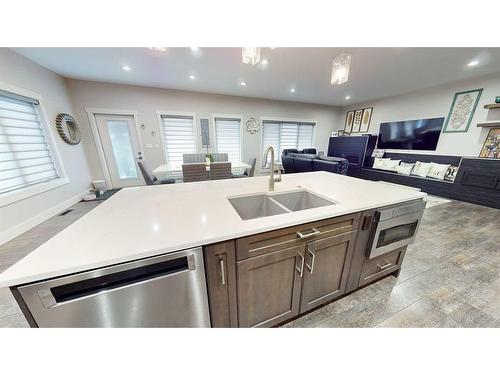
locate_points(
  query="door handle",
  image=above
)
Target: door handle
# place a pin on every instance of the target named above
(301, 269)
(313, 260)
(314, 232)
(222, 270)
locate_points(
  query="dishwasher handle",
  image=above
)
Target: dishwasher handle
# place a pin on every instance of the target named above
(108, 282)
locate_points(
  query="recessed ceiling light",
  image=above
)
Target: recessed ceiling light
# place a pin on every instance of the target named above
(243, 83)
(194, 49)
(192, 76)
(159, 49)
(126, 67)
(292, 90)
(473, 63)
(347, 97)
(264, 62)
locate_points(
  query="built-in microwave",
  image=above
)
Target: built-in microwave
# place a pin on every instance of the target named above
(394, 227)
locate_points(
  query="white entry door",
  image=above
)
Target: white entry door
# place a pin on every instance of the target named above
(121, 149)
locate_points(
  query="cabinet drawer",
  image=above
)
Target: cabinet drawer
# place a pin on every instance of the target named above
(380, 266)
(267, 242)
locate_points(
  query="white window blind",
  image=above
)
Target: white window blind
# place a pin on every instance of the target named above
(25, 155)
(179, 138)
(228, 137)
(286, 134)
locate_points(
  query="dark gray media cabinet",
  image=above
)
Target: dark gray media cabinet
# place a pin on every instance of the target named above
(477, 180)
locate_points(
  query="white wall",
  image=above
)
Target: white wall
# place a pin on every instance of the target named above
(147, 101)
(19, 216)
(436, 102)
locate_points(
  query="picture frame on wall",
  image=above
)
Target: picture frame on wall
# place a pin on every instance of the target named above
(366, 118)
(462, 110)
(491, 146)
(356, 123)
(349, 118)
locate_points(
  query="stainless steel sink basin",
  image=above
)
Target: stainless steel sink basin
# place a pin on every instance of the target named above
(261, 205)
(254, 206)
(301, 200)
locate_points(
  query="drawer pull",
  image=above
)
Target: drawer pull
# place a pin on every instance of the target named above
(222, 270)
(301, 269)
(314, 232)
(386, 265)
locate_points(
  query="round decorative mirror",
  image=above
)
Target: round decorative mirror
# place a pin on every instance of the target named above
(68, 129)
(252, 125)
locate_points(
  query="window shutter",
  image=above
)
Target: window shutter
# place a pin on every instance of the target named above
(228, 137)
(25, 155)
(285, 134)
(179, 138)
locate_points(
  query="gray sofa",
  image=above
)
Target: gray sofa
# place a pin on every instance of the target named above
(295, 161)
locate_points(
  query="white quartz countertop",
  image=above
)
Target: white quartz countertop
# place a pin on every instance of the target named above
(140, 222)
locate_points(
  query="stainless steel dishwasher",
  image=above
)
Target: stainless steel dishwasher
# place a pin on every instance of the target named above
(162, 291)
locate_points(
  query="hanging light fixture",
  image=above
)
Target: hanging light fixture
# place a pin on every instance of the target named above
(340, 69)
(250, 55)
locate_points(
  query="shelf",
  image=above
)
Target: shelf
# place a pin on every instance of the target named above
(490, 124)
(492, 106)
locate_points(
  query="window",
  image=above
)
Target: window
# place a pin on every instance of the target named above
(25, 154)
(287, 134)
(228, 137)
(178, 135)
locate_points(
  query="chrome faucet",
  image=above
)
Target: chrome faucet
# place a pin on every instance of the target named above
(272, 178)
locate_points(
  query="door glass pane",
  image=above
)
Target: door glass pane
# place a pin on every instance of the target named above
(397, 233)
(122, 149)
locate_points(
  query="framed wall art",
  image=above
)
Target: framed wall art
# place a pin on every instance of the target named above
(348, 121)
(462, 110)
(356, 123)
(491, 147)
(365, 119)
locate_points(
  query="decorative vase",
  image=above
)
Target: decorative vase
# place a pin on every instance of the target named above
(497, 99)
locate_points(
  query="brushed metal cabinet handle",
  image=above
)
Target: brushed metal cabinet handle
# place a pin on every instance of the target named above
(388, 264)
(313, 260)
(314, 232)
(301, 269)
(222, 270)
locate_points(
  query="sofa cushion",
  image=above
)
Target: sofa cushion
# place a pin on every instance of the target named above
(438, 171)
(309, 151)
(287, 151)
(303, 164)
(327, 166)
(304, 156)
(288, 164)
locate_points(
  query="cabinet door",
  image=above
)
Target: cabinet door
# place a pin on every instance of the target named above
(327, 269)
(269, 287)
(220, 270)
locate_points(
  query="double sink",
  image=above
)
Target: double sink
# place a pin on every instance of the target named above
(262, 205)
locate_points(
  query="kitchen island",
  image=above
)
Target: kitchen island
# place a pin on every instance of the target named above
(145, 222)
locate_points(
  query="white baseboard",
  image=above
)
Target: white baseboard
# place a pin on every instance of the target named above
(19, 229)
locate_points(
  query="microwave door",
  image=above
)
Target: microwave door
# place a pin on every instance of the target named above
(394, 233)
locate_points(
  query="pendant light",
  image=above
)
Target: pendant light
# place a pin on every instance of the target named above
(340, 69)
(250, 55)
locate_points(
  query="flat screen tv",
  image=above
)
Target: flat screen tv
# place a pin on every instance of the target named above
(410, 135)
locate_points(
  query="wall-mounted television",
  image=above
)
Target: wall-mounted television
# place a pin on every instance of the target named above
(410, 135)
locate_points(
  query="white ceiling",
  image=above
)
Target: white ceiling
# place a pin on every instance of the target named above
(375, 72)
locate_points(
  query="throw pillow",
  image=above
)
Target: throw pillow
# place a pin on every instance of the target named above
(391, 165)
(405, 168)
(451, 173)
(379, 163)
(421, 169)
(438, 171)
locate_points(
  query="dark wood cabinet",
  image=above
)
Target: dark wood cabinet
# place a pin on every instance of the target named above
(327, 267)
(266, 279)
(220, 271)
(269, 287)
